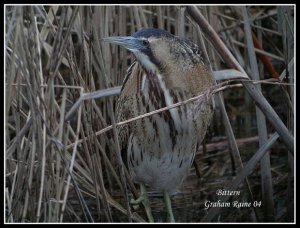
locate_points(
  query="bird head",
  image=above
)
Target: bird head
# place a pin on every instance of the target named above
(153, 48)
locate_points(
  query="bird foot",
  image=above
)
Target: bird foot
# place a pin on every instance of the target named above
(135, 203)
(145, 201)
(170, 216)
(138, 200)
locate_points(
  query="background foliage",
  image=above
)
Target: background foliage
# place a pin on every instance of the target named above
(55, 173)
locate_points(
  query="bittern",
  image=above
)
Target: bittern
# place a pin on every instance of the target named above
(160, 149)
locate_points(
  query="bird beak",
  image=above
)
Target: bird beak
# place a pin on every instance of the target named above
(128, 42)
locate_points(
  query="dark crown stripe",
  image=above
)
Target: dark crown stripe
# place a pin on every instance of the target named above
(152, 32)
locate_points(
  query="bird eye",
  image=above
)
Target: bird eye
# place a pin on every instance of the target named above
(145, 42)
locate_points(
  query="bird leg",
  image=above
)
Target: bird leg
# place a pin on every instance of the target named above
(170, 216)
(145, 201)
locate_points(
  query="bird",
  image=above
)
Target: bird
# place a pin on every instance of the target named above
(159, 150)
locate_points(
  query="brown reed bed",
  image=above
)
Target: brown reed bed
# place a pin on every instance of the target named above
(61, 84)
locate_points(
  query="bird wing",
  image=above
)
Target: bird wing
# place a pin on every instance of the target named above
(128, 73)
(124, 109)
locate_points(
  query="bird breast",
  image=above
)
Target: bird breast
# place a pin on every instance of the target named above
(161, 147)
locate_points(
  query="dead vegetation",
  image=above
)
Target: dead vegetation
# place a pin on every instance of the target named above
(60, 158)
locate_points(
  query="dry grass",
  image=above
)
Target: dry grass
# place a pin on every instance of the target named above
(61, 160)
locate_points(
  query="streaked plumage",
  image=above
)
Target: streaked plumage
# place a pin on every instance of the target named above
(160, 149)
